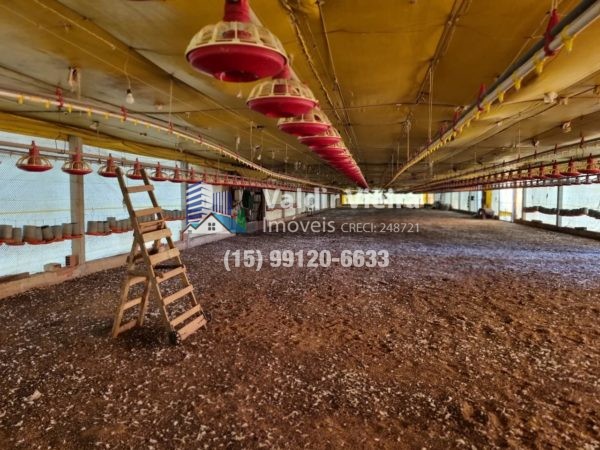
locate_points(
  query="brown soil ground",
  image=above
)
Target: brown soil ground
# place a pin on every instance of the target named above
(480, 334)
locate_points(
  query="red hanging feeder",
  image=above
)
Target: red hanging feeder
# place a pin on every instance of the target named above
(330, 137)
(341, 157)
(76, 165)
(192, 177)
(158, 174)
(109, 170)
(591, 168)
(136, 172)
(555, 172)
(310, 124)
(331, 150)
(519, 175)
(33, 161)
(349, 165)
(571, 170)
(235, 49)
(177, 178)
(282, 97)
(344, 165)
(529, 175)
(541, 174)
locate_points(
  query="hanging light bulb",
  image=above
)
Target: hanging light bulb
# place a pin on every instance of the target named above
(129, 97)
(73, 79)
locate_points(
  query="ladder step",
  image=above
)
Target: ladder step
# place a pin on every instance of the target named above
(186, 315)
(151, 226)
(191, 328)
(136, 279)
(156, 235)
(147, 212)
(142, 188)
(170, 274)
(177, 295)
(132, 303)
(167, 266)
(128, 326)
(163, 256)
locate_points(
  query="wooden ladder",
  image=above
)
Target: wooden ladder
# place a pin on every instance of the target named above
(153, 267)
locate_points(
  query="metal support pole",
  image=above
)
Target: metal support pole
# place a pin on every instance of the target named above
(184, 167)
(77, 202)
(523, 204)
(559, 205)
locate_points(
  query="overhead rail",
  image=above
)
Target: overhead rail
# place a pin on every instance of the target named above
(532, 176)
(111, 163)
(584, 14)
(68, 106)
(558, 152)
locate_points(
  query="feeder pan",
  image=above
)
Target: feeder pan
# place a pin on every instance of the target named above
(571, 170)
(158, 174)
(76, 166)
(529, 175)
(109, 170)
(282, 97)
(338, 158)
(177, 178)
(332, 150)
(330, 137)
(591, 168)
(136, 172)
(541, 174)
(555, 172)
(33, 161)
(235, 49)
(310, 124)
(192, 177)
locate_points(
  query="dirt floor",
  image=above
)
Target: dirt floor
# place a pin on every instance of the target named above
(480, 334)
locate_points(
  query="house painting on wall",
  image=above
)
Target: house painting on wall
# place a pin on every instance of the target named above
(214, 223)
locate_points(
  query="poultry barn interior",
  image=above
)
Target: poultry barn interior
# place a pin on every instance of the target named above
(300, 224)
